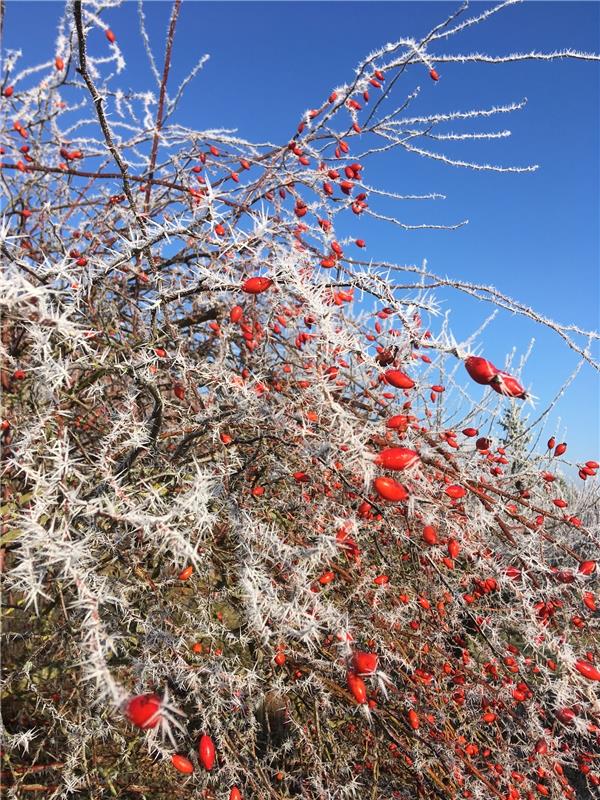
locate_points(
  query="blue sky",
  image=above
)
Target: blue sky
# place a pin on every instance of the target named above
(535, 236)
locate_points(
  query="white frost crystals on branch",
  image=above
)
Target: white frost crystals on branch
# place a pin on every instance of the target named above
(251, 491)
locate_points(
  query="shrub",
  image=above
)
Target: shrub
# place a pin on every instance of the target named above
(253, 536)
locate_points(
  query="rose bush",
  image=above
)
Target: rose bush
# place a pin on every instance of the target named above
(256, 531)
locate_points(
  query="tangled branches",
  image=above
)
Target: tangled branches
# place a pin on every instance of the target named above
(249, 515)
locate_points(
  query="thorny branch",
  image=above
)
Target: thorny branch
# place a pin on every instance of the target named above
(253, 486)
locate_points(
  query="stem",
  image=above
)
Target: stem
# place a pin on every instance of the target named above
(161, 99)
(98, 100)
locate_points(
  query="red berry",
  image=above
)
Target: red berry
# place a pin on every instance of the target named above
(430, 535)
(381, 580)
(396, 458)
(507, 385)
(301, 477)
(256, 285)
(236, 313)
(110, 35)
(143, 710)
(453, 548)
(399, 421)
(327, 577)
(358, 687)
(481, 370)
(182, 764)
(206, 751)
(179, 391)
(389, 489)
(364, 663)
(455, 491)
(413, 719)
(398, 379)
(565, 715)
(588, 670)
(589, 601)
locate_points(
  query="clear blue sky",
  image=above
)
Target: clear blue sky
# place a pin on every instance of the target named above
(534, 236)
